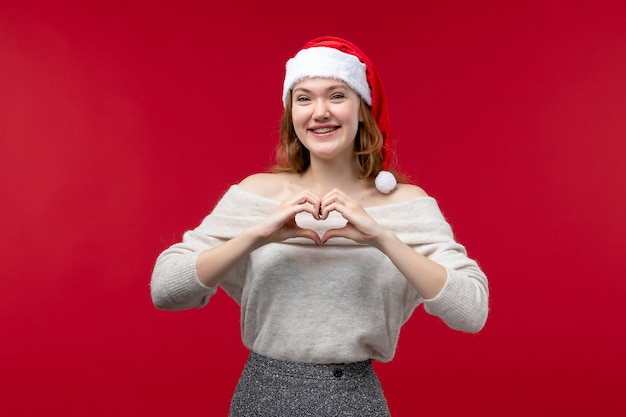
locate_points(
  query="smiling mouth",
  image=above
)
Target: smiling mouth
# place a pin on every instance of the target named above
(324, 130)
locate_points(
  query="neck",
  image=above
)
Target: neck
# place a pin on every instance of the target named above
(323, 176)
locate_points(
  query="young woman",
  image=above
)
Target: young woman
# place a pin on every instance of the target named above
(326, 255)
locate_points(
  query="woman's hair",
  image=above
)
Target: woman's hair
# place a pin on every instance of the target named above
(292, 156)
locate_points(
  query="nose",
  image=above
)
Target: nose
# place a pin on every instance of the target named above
(320, 110)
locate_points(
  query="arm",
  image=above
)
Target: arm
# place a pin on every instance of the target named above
(452, 285)
(174, 284)
(187, 273)
(426, 276)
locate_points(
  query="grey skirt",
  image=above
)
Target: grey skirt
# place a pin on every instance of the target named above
(270, 387)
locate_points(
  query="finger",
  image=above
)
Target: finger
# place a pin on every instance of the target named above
(309, 234)
(339, 201)
(313, 209)
(308, 199)
(339, 232)
(338, 195)
(346, 210)
(308, 196)
(325, 210)
(335, 192)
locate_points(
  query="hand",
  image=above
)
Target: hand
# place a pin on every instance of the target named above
(360, 228)
(281, 224)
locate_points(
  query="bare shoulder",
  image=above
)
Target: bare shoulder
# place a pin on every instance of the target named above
(410, 191)
(405, 192)
(402, 193)
(270, 185)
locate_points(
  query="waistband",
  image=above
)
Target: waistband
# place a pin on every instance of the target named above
(273, 366)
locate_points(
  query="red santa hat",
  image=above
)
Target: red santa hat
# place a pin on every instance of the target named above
(332, 57)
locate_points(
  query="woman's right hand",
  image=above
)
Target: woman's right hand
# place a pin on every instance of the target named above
(281, 224)
(214, 263)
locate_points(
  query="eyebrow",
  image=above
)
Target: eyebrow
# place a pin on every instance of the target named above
(330, 88)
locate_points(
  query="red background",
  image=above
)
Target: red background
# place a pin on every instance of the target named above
(121, 124)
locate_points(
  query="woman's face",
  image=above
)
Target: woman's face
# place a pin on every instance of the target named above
(325, 115)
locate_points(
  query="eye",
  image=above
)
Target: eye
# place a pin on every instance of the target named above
(337, 96)
(302, 99)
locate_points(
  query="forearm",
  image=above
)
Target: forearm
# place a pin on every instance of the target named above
(186, 274)
(213, 264)
(428, 277)
(458, 295)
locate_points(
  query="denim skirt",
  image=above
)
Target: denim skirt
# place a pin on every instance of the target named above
(270, 387)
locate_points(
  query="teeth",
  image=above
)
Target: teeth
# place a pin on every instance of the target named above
(324, 130)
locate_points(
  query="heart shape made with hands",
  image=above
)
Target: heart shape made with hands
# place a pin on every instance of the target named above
(335, 220)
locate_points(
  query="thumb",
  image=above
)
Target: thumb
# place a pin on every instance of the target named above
(309, 234)
(331, 233)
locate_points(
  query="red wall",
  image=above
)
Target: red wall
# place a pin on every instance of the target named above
(122, 123)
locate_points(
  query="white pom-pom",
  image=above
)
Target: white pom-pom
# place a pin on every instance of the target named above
(385, 182)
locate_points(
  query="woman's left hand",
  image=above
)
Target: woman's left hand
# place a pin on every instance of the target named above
(360, 228)
(427, 276)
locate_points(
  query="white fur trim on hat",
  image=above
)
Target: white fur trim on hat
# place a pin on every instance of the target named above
(321, 61)
(385, 182)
